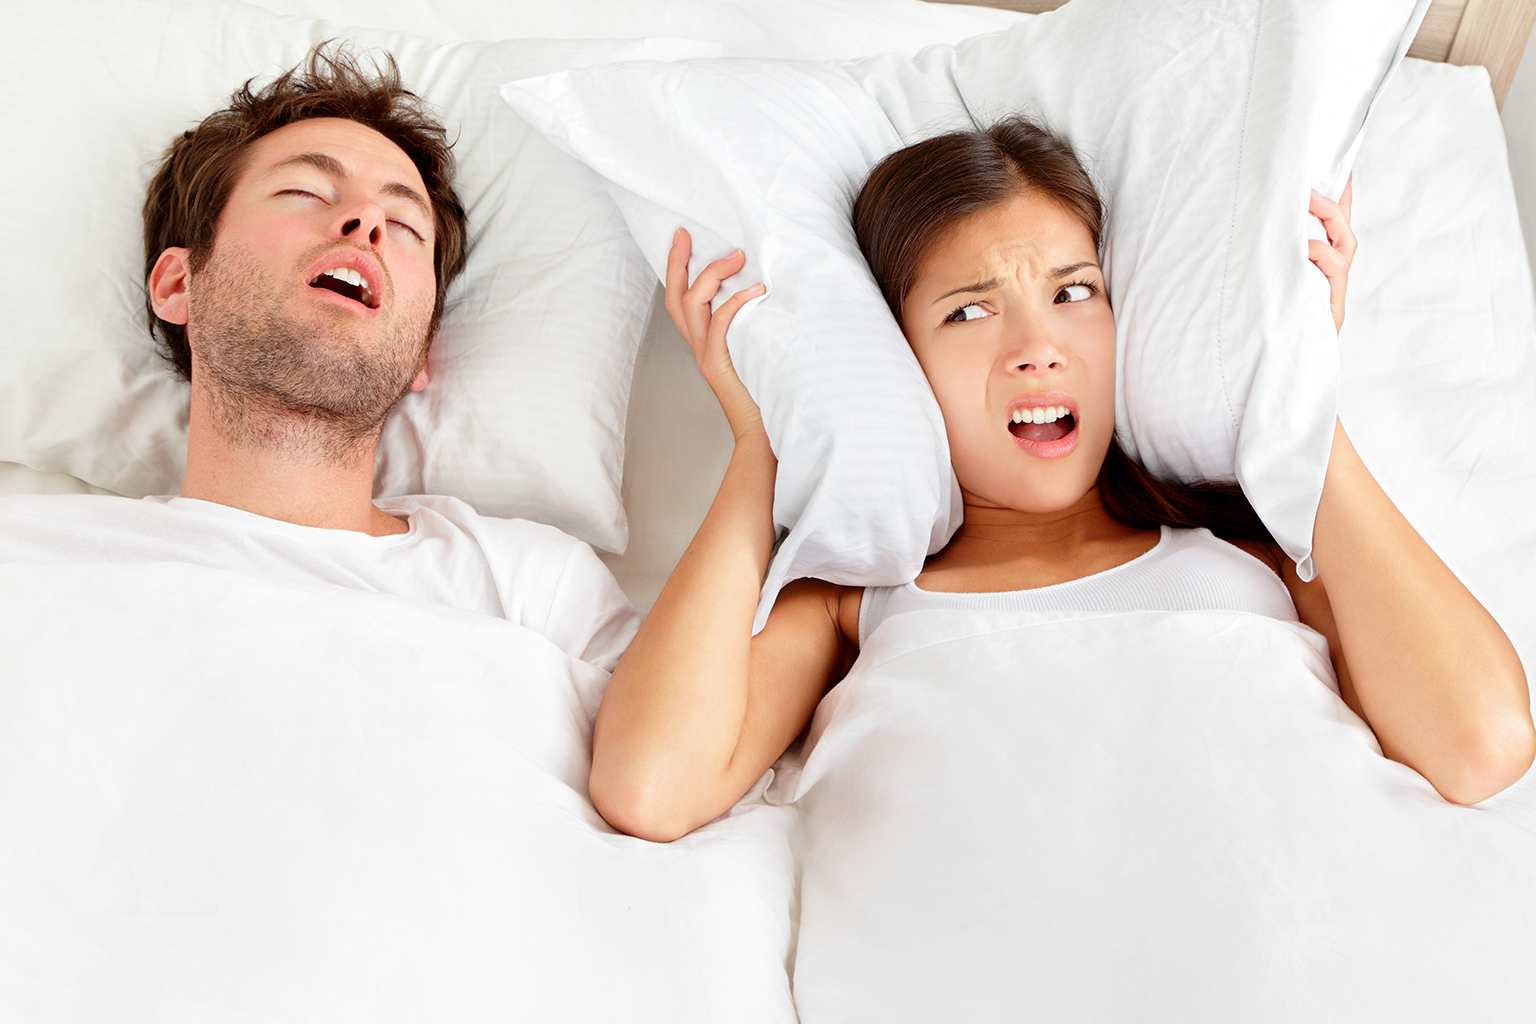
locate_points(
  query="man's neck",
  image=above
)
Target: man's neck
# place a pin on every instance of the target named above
(298, 483)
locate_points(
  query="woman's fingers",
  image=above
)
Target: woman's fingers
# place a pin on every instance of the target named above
(707, 284)
(715, 363)
(677, 277)
(1334, 256)
(1336, 269)
(1335, 218)
(714, 357)
(704, 329)
(727, 311)
(689, 305)
(1328, 259)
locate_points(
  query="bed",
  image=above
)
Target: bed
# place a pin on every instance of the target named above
(366, 822)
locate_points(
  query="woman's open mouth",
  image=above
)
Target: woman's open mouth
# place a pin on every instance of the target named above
(1046, 431)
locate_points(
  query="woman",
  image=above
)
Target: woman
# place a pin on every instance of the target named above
(986, 247)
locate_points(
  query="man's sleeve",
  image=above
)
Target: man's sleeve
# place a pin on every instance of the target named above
(589, 616)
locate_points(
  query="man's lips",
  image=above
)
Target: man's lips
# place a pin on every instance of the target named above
(350, 277)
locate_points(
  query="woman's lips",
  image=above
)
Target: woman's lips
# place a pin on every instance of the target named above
(1044, 424)
(1049, 449)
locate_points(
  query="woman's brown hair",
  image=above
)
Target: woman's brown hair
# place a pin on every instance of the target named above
(916, 196)
(198, 172)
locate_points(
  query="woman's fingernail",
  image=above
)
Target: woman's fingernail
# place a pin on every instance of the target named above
(677, 236)
(738, 252)
(759, 288)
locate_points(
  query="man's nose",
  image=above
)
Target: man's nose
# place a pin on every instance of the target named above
(364, 223)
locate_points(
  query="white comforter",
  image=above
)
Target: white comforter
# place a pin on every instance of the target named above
(226, 798)
(1138, 817)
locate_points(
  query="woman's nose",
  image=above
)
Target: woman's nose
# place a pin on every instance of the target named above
(1034, 350)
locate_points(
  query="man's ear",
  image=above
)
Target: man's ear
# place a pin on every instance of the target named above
(421, 378)
(168, 285)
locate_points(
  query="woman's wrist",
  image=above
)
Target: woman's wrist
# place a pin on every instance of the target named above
(752, 436)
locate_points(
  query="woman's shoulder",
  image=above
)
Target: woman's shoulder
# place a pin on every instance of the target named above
(1268, 553)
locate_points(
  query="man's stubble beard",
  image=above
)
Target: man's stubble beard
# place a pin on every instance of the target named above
(277, 383)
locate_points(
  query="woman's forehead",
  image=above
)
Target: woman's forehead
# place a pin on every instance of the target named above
(1029, 234)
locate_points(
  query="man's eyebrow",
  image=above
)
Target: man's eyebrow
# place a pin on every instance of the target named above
(327, 164)
(401, 190)
(975, 286)
(320, 161)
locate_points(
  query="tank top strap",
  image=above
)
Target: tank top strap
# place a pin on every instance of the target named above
(872, 610)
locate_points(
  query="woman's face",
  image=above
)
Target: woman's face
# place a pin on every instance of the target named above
(1011, 323)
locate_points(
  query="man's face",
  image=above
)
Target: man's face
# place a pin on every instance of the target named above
(319, 292)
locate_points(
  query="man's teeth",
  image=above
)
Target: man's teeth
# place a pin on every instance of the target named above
(346, 274)
(351, 277)
(1042, 414)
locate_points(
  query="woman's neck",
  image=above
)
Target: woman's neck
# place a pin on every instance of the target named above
(1007, 549)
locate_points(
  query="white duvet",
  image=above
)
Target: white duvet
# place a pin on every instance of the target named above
(1137, 817)
(228, 798)
(224, 798)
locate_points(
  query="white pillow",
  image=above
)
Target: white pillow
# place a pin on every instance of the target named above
(531, 372)
(1206, 124)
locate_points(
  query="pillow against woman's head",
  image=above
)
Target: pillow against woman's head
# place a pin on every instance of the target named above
(1206, 125)
(531, 368)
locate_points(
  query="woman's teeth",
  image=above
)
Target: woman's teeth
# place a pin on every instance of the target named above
(1042, 414)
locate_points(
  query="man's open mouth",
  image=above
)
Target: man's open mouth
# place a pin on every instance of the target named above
(1042, 425)
(348, 282)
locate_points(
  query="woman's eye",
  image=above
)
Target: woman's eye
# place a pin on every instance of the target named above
(964, 313)
(1075, 293)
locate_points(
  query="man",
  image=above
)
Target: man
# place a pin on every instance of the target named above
(299, 244)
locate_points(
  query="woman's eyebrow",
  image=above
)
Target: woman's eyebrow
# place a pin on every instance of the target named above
(977, 286)
(988, 285)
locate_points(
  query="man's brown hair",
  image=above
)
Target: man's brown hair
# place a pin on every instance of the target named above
(199, 170)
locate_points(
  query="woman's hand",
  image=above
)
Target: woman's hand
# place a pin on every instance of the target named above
(705, 330)
(1334, 256)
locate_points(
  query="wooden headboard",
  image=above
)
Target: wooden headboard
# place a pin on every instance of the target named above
(1487, 32)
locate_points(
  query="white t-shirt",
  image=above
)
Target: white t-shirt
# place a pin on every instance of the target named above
(528, 573)
(1186, 570)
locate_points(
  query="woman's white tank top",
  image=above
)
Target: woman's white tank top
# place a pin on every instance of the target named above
(1186, 570)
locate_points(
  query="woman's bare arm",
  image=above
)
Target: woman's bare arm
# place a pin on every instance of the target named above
(1417, 656)
(698, 708)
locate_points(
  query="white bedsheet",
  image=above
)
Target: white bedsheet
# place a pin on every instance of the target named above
(226, 798)
(1149, 816)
